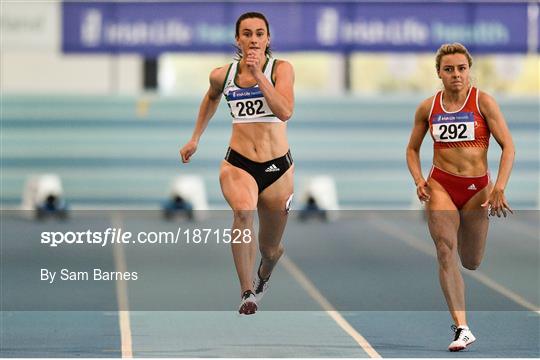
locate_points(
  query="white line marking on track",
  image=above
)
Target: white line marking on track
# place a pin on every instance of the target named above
(122, 294)
(523, 228)
(413, 242)
(302, 279)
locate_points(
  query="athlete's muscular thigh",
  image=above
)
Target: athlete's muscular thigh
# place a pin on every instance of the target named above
(275, 196)
(439, 199)
(238, 186)
(272, 210)
(473, 230)
(443, 218)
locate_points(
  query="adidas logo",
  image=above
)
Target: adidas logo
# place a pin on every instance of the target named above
(272, 168)
(472, 187)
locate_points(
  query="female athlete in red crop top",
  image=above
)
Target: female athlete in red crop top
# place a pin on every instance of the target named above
(458, 192)
(463, 128)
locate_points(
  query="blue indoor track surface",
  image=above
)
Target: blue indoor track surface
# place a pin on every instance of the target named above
(365, 285)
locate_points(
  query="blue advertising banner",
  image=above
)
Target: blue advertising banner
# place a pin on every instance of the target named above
(151, 28)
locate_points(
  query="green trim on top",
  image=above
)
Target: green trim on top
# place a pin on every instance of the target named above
(272, 72)
(226, 77)
(234, 77)
(266, 63)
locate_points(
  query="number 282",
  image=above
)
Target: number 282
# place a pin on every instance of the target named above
(250, 107)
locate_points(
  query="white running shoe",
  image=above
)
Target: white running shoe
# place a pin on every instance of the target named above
(248, 306)
(260, 285)
(463, 337)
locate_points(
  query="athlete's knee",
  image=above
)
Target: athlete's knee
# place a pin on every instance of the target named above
(471, 264)
(243, 216)
(445, 253)
(271, 253)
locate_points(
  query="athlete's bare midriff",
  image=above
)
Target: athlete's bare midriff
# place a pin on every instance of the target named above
(467, 161)
(260, 142)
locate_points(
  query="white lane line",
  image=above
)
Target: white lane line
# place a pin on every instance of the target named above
(523, 228)
(413, 242)
(310, 288)
(122, 294)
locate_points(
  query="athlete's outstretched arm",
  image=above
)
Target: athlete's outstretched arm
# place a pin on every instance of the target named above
(497, 125)
(280, 98)
(418, 133)
(207, 109)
